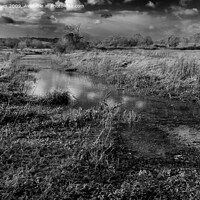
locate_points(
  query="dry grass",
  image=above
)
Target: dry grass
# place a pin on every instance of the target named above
(171, 74)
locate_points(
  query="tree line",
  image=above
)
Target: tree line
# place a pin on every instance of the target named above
(73, 39)
(27, 42)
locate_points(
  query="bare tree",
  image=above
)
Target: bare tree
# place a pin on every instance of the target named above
(72, 29)
(71, 39)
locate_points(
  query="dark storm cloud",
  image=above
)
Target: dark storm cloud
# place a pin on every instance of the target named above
(140, 4)
(186, 2)
(6, 20)
(159, 18)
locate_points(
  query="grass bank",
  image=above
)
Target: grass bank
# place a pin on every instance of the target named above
(52, 151)
(166, 73)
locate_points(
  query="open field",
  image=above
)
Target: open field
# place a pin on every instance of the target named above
(50, 150)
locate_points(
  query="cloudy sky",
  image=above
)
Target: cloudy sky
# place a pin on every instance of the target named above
(100, 18)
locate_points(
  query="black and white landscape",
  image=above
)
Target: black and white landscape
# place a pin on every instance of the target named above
(99, 99)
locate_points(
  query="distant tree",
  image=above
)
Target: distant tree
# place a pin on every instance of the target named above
(109, 42)
(139, 39)
(28, 42)
(46, 45)
(36, 44)
(89, 39)
(173, 41)
(96, 43)
(116, 41)
(72, 36)
(133, 42)
(184, 42)
(71, 39)
(195, 38)
(1, 43)
(161, 41)
(60, 46)
(148, 40)
(22, 45)
(121, 41)
(72, 29)
(11, 43)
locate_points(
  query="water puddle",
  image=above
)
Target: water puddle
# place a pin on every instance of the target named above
(87, 91)
(148, 139)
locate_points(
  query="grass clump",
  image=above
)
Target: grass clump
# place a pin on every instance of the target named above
(56, 98)
(183, 79)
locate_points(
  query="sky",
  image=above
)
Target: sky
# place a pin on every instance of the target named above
(100, 18)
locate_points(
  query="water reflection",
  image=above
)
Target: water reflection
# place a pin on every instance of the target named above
(86, 91)
(89, 92)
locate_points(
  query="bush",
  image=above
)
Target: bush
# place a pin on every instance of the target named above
(173, 41)
(121, 41)
(60, 47)
(22, 45)
(9, 42)
(139, 39)
(71, 41)
(36, 44)
(57, 98)
(148, 40)
(116, 41)
(46, 45)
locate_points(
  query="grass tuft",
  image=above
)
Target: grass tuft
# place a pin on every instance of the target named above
(56, 98)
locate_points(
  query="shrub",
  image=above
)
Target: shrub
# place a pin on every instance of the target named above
(22, 44)
(148, 40)
(57, 98)
(139, 39)
(36, 44)
(9, 42)
(71, 41)
(173, 41)
(116, 41)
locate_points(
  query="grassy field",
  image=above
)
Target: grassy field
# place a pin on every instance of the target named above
(166, 73)
(49, 150)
